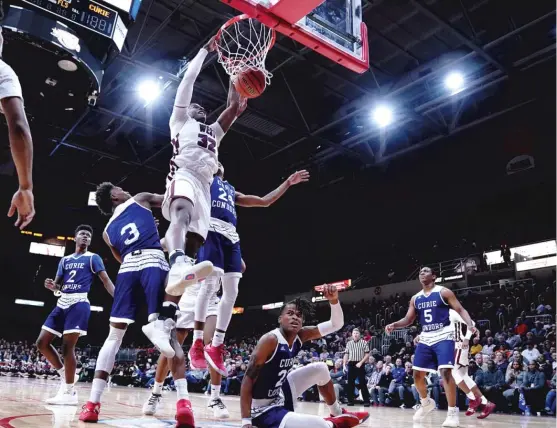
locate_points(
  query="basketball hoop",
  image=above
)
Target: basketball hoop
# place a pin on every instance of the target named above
(242, 45)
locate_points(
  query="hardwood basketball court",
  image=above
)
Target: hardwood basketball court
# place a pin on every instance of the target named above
(21, 405)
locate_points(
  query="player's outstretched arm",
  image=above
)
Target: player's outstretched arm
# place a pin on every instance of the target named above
(185, 88)
(235, 106)
(404, 322)
(115, 252)
(334, 324)
(262, 352)
(453, 302)
(149, 200)
(270, 198)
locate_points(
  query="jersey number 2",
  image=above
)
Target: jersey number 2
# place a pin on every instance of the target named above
(71, 276)
(427, 315)
(282, 375)
(224, 196)
(131, 230)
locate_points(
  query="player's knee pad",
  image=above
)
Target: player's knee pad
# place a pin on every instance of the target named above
(469, 382)
(230, 288)
(319, 373)
(107, 354)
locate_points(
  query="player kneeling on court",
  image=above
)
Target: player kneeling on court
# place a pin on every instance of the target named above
(270, 386)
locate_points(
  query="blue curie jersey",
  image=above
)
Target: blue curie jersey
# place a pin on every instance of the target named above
(432, 310)
(78, 272)
(131, 228)
(223, 199)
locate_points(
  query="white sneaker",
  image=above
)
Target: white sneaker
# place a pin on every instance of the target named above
(452, 419)
(151, 405)
(219, 408)
(423, 410)
(185, 274)
(158, 332)
(63, 398)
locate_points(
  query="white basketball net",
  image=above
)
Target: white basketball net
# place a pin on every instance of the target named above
(243, 46)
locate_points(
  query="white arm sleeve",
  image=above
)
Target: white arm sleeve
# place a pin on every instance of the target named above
(455, 317)
(335, 323)
(185, 89)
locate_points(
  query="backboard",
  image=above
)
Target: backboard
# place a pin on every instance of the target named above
(333, 28)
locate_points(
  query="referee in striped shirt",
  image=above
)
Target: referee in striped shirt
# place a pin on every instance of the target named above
(355, 358)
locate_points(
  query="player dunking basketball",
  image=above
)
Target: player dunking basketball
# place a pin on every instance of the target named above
(70, 317)
(270, 386)
(21, 143)
(222, 249)
(133, 238)
(436, 348)
(188, 196)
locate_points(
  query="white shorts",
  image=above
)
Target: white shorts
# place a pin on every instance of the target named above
(461, 358)
(9, 83)
(186, 314)
(188, 186)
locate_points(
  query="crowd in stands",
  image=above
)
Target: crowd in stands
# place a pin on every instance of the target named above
(513, 360)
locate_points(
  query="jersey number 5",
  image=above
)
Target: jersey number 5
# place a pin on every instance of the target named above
(427, 315)
(207, 142)
(131, 230)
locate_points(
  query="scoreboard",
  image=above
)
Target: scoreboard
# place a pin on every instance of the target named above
(88, 14)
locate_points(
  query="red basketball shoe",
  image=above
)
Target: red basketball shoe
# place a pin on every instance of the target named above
(90, 412)
(487, 410)
(215, 356)
(473, 406)
(197, 359)
(344, 421)
(362, 416)
(184, 414)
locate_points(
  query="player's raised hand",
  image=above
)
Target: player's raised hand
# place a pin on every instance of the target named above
(50, 284)
(22, 201)
(389, 328)
(330, 292)
(211, 45)
(298, 177)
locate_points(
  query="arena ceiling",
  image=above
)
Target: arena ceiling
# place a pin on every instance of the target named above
(315, 113)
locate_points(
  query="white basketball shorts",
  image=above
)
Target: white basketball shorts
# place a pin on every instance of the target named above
(186, 314)
(462, 357)
(188, 186)
(9, 83)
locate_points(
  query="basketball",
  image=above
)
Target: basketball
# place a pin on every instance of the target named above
(250, 84)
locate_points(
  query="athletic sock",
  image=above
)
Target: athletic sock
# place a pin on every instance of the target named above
(335, 409)
(68, 388)
(197, 334)
(157, 387)
(96, 390)
(215, 392)
(452, 410)
(62, 373)
(182, 389)
(484, 400)
(218, 338)
(176, 256)
(471, 395)
(424, 401)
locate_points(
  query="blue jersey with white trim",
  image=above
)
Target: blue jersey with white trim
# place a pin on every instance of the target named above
(223, 197)
(132, 228)
(432, 310)
(78, 272)
(267, 389)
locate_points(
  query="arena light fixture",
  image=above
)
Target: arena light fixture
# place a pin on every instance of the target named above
(149, 90)
(383, 116)
(28, 302)
(454, 82)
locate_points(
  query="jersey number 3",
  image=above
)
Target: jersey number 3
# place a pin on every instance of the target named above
(130, 229)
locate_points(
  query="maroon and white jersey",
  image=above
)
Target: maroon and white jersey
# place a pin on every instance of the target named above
(195, 149)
